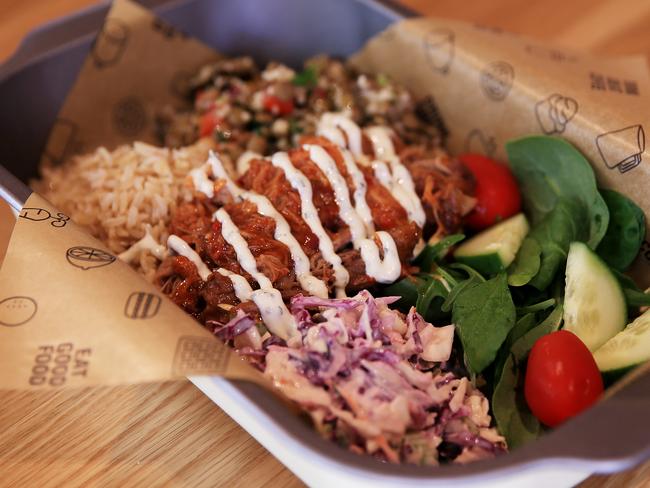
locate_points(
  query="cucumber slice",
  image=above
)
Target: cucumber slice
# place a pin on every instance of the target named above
(625, 350)
(594, 304)
(495, 248)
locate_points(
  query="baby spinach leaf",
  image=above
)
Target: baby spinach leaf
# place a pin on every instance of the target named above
(471, 272)
(625, 233)
(484, 314)
(523, 345)
(514, 419)
(549, 169)
(536, 307)
(457, 290)
(407, 289)
(434, 252)
(561, 226)
(634, 296)
(426, 295)
(526, 263)
(307, 77)
(523, 325)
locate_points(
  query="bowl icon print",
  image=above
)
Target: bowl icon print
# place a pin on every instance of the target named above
(86, 257)
(17, 310)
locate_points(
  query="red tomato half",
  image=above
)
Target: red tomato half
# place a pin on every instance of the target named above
(497, 193)
(562, 378)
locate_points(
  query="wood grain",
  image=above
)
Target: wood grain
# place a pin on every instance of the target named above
(169, 433)
(143, 435)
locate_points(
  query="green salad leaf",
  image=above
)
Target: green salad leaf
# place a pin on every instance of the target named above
(536, 307)
(434, 252)
(625, 233)
(514, 419)
(523, 345)
(526, 264)
(484, 313)
(634, 296)
(523, 325)
(550, 169)
(434, 288)
(307, 77)
(554, 233)
(457, 290)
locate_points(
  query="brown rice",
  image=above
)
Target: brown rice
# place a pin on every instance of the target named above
(120, 195)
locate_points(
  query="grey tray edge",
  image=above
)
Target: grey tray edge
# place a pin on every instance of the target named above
(622, 406)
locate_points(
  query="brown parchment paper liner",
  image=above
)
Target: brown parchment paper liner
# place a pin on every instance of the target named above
(138, 63)
(490, 86)
(71, 314)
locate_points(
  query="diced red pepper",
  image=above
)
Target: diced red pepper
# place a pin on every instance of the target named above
(277, 106)
(208, 122)
(319, 92)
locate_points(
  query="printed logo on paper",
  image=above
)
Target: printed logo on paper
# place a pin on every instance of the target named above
(110, 43)
(129, 116)
(40, 214)
(197, 355)
(477, 142)
(142, 305)
(86, 257)
(18, 310)
(497, 79)
(55, 364)
(439, 49)
(62, 142)
(622, 149)
(554, 113)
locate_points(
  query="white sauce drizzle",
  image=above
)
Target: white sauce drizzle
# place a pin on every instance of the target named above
(381, 270)
(387, 270)
(382, 144)
(360, 187)
(332, 133)
(398, 180)
(244, 161)
(327, 165)
(201, 182)
(382, 173)
(302, 185)
(147, 243)
(307, 280)
(345, 124)
(268, 300)
(242, 287)
(402, 183)
(357, 217)
(182, 248)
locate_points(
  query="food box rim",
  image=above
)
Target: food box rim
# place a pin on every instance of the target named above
(609, 437)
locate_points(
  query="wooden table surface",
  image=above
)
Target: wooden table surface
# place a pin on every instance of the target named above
(169, 433)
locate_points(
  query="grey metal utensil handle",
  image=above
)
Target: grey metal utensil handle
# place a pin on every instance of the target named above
(12, 190)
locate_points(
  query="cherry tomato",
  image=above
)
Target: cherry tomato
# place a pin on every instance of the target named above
(207, 123)
(277, 106)
(562, 378)
(497, 193)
